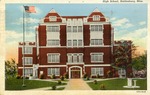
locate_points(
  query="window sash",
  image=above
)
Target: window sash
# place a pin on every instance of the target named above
(28, 50)
(53, 42)
(27, 61)
(96, 57)
(53, 28)
(80, 29)
(74, 28)
(96, 18)
(75, 42)
(52, 18)
(53, 58)
(75, 58)
(95, 71)
(28, 71)
(96, 41)
(55, 71)
(96, 28)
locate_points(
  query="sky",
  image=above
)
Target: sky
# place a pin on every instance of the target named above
(128, 20)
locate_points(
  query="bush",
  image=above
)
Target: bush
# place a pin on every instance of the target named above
(66, 75)
(95, 81)
(53, 76)
(26, 77)
(87, 78)
(102, 87)
(54, 87)
(97, 76)
(109, 74)
(59, 81)
(41, 76)
(62, 78)
(18, 77)
(85, 75)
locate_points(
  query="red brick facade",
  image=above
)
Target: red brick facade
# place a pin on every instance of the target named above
(41, 50)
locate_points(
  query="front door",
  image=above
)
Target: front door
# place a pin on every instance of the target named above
(75, 74)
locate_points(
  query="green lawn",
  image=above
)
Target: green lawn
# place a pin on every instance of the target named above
(117, 84)
(16, 84)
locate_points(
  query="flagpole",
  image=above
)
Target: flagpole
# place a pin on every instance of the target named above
(23, 84)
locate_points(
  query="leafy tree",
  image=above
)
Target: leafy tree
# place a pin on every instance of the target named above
(10, 68)
(140, 62)
(123, 54)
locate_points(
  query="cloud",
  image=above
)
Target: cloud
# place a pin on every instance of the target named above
(138, 36)
(112, 19)
(142, 23)
(27, 21)
(123, 23)
(17, 36)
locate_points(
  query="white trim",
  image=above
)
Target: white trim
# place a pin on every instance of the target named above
(73, 67)
(49, 24)
(77, 63)
(21, 46)
(101, 46)
(24, 67)
(58, 61)
(52, 65)
(97, 65)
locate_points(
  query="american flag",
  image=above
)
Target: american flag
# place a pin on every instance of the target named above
(30, 9)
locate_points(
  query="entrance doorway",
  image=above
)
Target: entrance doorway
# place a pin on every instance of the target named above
(75, 72)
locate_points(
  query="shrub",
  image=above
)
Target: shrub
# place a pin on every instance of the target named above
(85, 75)
(62, 78)
(87, 78)
(53, 76)
(66, 75)
(59, 81)
(95, 81)
(109, 74)
(41, 76)
(26, 77)
(31, 75)
(97, 76)
(54, 87)
(102, 87)
(18, 77)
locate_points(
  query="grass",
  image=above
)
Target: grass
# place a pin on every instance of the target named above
(117, 84)
(16, 84)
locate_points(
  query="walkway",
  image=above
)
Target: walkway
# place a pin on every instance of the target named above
(77, 84)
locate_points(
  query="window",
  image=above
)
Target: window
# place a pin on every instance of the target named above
(54, 71)
(75, 58)
(96, 41)
(79, 28)
(96, 18)
(70, 58)
(80, 57)
(53, 18)
(53, 42)
(97, 57)
(96, 28)
(68, 28)
(74, 42)
(74, 28)
(69, 43)
(27, 60)
(79, 42)
(53, 58)
(53, 28)
(95, 71)
(28, 71)
(28, 50)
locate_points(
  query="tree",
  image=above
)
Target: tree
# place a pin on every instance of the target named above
(123, 55)
(140, 62)
(10, 68)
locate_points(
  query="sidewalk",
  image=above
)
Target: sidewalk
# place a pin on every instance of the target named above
(77, 84)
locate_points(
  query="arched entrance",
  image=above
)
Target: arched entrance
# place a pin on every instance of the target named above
(75, 72)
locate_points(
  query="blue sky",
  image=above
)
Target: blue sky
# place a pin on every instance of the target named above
(128, 20)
